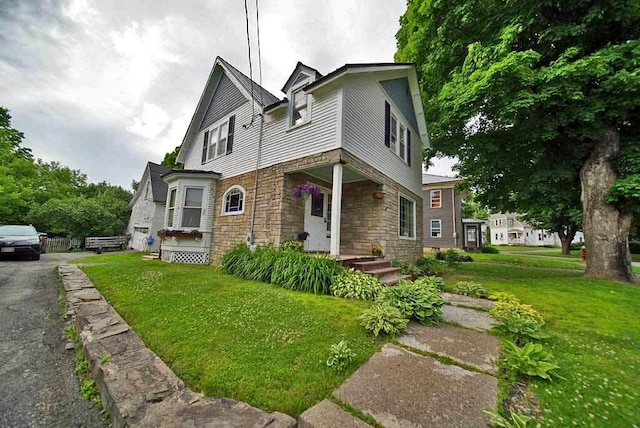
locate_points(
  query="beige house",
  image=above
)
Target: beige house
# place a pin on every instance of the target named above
(353, 139)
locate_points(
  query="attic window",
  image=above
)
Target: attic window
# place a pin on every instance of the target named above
(300, 111)
(218, 140)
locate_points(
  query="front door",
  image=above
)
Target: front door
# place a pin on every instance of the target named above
(317, 221)
(472, 237)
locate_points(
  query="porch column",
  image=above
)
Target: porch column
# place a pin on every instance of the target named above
(336, 209)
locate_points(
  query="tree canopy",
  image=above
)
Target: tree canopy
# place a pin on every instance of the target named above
(540, 102)
(53, 197)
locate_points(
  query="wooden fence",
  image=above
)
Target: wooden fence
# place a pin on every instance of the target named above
(60, 243)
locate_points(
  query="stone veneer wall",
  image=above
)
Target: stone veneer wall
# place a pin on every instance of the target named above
(280, 215)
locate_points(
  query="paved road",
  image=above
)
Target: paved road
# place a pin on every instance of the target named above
(38, 386)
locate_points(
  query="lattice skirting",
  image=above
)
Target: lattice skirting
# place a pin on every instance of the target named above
(188, 257)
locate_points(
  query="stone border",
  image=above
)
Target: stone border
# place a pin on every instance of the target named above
(137, 388)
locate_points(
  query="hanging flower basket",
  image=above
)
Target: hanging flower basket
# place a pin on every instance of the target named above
(378, 195)
(302, 236)
(304, 190)
(179, 234)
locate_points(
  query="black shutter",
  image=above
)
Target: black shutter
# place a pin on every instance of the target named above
(387, 124)
(205, 143)
(232, 126)
(408, 147)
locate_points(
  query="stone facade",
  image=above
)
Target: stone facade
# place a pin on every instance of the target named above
(279, 215)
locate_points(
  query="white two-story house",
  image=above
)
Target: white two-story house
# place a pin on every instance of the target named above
(355, 134)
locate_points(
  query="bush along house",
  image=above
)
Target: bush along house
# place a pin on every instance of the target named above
(337, 164)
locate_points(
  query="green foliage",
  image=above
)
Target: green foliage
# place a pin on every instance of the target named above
(354, 284)
(515, 420)
(384, 318)
(292, 246)
(170, 159)
(341, 356)
(431, 281)
(414, 300)
(517, 322)
(531, 360)
(429, 265)
(407, 268)
(634, 247)
(471, 289)
(289, 269)
(502, 296)
(472, 208)
(489, 249)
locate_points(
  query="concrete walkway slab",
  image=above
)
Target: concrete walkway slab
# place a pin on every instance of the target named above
(326, 414)
(465, 346)
(471, 302)
(402, 389)
(468, 318)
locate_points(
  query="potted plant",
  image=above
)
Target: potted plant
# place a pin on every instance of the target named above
(305, 189)
(376, 250)
(165, 233)
(302, 236)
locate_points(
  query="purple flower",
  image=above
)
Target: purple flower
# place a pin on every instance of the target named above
(301, 189)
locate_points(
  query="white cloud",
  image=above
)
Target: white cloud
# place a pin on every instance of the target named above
(151, 122)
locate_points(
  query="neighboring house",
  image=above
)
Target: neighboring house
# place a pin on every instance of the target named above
(148, 207)
(511, 229)
(356, 133)
(442, 212)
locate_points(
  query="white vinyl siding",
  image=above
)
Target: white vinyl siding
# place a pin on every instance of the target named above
(363, 136)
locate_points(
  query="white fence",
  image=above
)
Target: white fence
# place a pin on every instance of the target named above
(61, 244)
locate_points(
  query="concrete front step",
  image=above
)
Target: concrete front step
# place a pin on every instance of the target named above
(371, 265)
(399, 388)
(468, 347)
(394, 279)
(327, 414)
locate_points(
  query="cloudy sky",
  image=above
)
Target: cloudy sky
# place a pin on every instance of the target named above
(106, 85)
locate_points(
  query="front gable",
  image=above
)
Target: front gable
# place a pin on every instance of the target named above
(225, 99)
(398, 92)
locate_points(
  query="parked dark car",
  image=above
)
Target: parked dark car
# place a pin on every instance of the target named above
(20, 240)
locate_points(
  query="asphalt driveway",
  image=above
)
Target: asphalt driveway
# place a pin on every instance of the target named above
(39, 385)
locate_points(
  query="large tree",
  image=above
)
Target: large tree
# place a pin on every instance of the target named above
(527, 89)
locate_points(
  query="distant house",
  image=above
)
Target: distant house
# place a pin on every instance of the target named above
(512, 229)
(148, 208)
(442, 212)
(336, 163)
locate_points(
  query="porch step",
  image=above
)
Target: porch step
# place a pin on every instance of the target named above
(369, 265)
(394, 279)
(151, 256)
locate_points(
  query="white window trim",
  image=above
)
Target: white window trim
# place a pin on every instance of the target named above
(169, 208)
(296, 88)
(224, 200)
(431, 193)
(216, 127)
(399, 123)
(415, 230)
(431, 228)
(184, 205)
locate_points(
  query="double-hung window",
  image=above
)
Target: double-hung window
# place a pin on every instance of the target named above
(397, 135)
(218, 140)
(436, 228)
(406, 217)
(192, 208)
(300, 109)
(436, 199)
(171, 208)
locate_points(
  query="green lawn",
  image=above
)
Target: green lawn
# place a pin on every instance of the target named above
(523, 259)
(228, 337)
(595, 329)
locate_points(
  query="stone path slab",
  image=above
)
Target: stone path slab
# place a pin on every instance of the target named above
(465, 346)
(327, 414)
(403, 389)
(472, 302)
(469, 318)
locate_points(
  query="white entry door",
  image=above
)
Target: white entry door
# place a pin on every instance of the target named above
(317, 221)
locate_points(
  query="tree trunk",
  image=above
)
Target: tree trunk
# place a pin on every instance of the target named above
(606, 229)
(566, 236)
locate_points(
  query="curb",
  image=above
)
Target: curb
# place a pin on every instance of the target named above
(137, 388)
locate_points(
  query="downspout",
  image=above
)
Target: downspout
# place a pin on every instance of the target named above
(250, 237)
(455, 232)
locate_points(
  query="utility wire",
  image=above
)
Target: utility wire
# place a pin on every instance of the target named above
(259, 55)
(246, 18)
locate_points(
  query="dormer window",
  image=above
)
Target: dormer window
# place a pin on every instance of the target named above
(300, 109)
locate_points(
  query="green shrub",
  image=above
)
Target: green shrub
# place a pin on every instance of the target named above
(530, 360)
(407, 268)
(501, 309)
(515, 420)
(429, 265)
(289, 269)
(414, 300)
(471, 289)
(353, 284)
(489, 249)
(384, 318)
(431, 281)
(341, 356)
(501, 296)
(519, 328)
(292, 246)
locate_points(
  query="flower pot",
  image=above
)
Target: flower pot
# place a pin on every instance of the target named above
(378, 195)
(302, 236)
(377, 253)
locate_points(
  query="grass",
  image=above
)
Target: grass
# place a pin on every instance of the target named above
(595, 338)
(525, 260)
(229, 337)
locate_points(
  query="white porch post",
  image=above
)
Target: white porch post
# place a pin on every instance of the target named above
(336, 209)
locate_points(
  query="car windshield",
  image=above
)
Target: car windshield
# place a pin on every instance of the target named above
(17, 231)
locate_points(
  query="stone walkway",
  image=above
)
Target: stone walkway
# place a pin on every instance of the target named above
(405, 385)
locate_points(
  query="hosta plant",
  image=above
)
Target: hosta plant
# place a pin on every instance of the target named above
(519, 328)
(354, 284)
(385, 319)
(531, 360)
(471, 289)
(431, 281)
(515, 420)
(341, 356)
(501, 296)
(414, 300)
(500, 309)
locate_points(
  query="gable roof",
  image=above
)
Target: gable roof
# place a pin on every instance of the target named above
(436, 179)
(300, 67)
(260, 96)
(158, 187)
